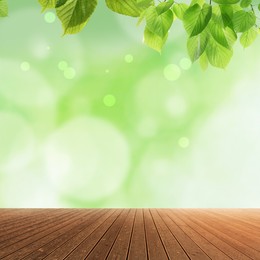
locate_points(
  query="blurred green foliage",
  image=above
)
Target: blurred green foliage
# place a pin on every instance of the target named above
(99, 120)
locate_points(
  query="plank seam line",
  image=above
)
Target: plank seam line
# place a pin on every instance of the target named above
(196, 221)
(20, 219)
(21, 227)
(32, 225)
(103, 234)
(34, 240)
(131, 236)
(118, 233)
(240, 242)
(145, 237)
(203, 237)
(159, 234)
(248, 223)
(173, 234)
(89, 214)
(233, 224)
(214, 236)
(74, 249)
(79, 244)
(190, 237)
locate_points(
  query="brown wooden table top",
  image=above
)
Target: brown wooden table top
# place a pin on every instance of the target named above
(140, 234)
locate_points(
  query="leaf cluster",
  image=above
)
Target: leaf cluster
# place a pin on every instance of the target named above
(212, 26)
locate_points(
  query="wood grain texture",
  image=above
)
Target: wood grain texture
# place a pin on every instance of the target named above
(156, 234)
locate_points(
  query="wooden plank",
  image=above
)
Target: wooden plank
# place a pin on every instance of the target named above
(204, 244)
(239, 219)
(137, 248)
(223, 246)
(155, 247)
(35, 234)
(27, 230)
(73, 243)
(121, 246)
(235, 230)
(141, 234)
(86, 246)
(250, 215)
(40, 248)
(10, 217)
(199, 218)
(105, 244)
(235, 224)
(171, 245)
(191, 248)
(26, 227)
(9, 222)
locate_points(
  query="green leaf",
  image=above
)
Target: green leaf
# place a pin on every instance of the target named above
(128, 7)
(243, 20)
(47, 4)
(223, 35)
(226, 2)
(200, 2)
(248, 37)
(144, 3)
(141, 17)
(154, 41)
(3, 8)
(158, 24)
(196, 45)
(245, 3)
(164, 6)
(59, 3)
(236, 7)
(179, 10)
(218, 33)
(196, 18)
(224, 15)
(218, 55)
(204, 62)
(74, 14)
(231, 36)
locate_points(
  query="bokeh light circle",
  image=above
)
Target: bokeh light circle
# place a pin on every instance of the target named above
(17, 141)
(176, 105)
(185, 63)
(129, 58)
(50, 17)
(28, 89)
(18, 186)
(109, 100)
(184, 142)
(25, 66)
(69, 73)
(172, 72)
(86, 159)
(63, 65)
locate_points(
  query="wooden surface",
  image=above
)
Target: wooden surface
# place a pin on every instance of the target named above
(140, 234)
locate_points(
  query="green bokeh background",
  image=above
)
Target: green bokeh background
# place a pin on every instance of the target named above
(100, 120)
